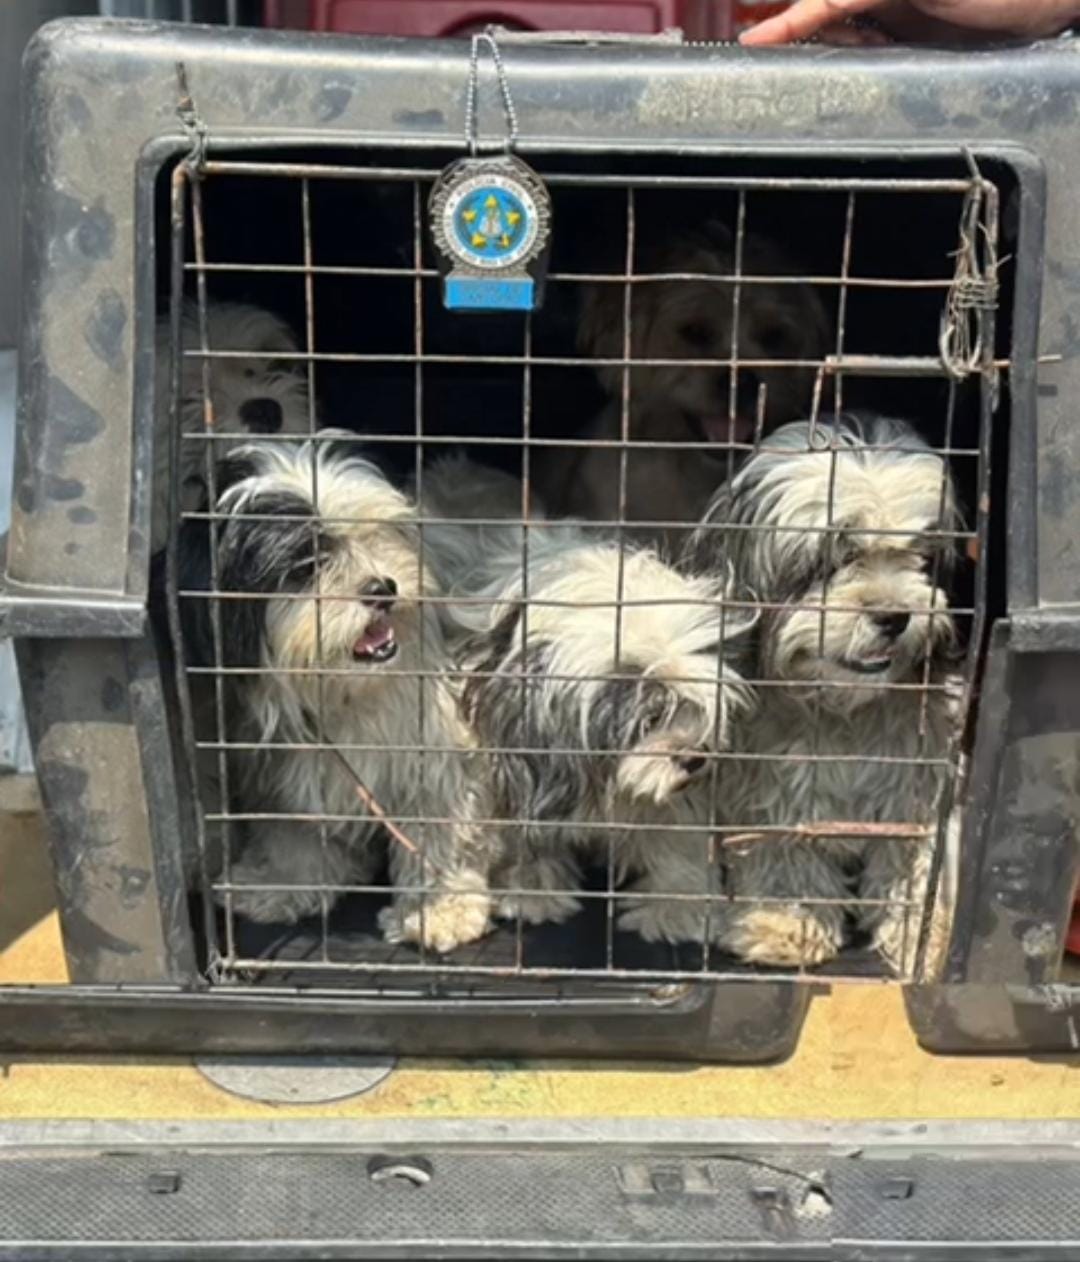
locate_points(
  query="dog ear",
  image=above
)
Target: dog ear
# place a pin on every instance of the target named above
(709, 549)
(620, 708)
(195, 568)
(730, 556)
(819, 329)
(524, 721)
(600, 329)
(266, 546)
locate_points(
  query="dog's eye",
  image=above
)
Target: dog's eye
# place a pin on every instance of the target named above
(834, 560)
(696, 333)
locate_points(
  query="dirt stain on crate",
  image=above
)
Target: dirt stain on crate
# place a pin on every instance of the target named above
(786, 102)
(105, 327)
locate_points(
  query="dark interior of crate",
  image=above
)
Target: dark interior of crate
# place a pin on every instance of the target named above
(254, 225)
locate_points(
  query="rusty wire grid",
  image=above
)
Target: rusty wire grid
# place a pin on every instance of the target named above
(966, 361)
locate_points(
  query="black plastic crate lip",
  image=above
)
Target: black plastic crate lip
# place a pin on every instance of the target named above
(34, 612)
(671, 1001)
(709, 1024)
(1045, 631)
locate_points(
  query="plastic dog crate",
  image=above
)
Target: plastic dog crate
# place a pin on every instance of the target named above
(292, 171)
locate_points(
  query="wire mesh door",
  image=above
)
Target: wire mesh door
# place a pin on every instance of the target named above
(661, 671)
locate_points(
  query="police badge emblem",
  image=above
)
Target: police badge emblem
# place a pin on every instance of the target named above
(490, 216)
(491, 223)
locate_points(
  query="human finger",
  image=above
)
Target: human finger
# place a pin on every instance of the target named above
(803, 19)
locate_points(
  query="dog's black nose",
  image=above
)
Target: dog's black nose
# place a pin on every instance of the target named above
(893, 624)
(691, 764)
(379, 593)
(261, 416)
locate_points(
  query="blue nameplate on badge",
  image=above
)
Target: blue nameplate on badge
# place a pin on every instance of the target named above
(473, 293)
(491, 223)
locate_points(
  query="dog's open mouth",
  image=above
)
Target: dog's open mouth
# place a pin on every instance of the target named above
(377, 644)
(868, 665)
(722, 429)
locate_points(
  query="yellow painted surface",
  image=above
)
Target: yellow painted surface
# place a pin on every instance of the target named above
(857, 1059)
(35, 957)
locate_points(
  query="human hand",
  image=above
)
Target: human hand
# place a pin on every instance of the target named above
(963, 20)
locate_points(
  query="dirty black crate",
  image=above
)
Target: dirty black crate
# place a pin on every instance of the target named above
(928, 195)
(995, 1020)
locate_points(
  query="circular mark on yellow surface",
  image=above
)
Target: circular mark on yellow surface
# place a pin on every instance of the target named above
(295, 1079)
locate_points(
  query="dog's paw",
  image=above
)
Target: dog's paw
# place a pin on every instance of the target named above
(536, 909)
(783, 936)
(896, 940)
(448, 921)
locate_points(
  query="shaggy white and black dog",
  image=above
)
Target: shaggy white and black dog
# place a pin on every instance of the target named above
(251, 394)
(350, 655)
(838, 530)
(675, 404)
(601, 726)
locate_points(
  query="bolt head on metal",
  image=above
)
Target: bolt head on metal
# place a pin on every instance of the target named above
(898, 1188)
(164, 1182)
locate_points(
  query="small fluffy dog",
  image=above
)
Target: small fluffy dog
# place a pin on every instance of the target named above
(601, 736)
(853, 625)
(687, 320)
(477, 540)
(251, 396)
(474, 515)
(353, 542)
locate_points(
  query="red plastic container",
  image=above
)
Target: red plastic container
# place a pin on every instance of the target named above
(742, 15)
(432, 18)
(699, 19)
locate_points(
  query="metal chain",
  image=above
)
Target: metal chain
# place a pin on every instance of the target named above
(472, 94)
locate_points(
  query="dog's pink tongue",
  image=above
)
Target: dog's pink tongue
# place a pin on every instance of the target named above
(727, 429)
(379, 633)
